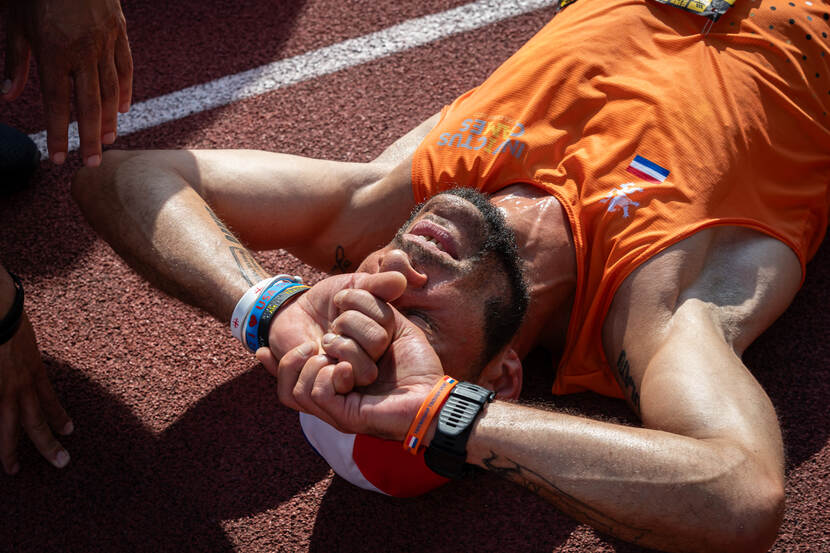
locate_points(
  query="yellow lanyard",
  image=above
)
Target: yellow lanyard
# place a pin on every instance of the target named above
(712, 9)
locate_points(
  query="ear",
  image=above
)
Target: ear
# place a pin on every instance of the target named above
(503, 375)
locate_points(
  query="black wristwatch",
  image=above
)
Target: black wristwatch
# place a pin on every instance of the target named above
(447, 452)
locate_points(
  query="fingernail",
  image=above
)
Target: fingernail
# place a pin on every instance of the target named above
(61, 459)
(124, 108)
(329, 338)
(58, 158)
(7, 85)
(67, 429)
(93, 161)
(108, 138)
(15, 468)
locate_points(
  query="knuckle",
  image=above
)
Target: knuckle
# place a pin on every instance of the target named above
(297, 391)
(109, 85)
(317, 392)
(36, 425)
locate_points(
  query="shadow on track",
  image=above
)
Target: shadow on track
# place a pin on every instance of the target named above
(234, 453)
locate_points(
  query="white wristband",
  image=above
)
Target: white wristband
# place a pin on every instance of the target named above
(246, 302)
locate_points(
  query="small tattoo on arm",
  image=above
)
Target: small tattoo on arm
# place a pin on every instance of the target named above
(624, 370)
(341, 264)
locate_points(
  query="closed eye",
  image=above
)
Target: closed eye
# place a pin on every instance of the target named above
(421, 320)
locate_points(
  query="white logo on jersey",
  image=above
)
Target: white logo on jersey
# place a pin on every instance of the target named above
(618, 199)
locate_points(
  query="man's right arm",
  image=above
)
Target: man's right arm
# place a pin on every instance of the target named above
(185, 219)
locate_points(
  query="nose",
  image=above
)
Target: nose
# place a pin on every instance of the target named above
(398, 260)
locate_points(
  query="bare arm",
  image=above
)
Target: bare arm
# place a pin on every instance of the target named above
(184, 219)
(706, 472)
(181, 217)
(698, 480)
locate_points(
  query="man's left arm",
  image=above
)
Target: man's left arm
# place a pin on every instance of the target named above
(704, 475)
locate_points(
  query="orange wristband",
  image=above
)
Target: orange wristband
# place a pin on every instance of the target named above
(429, 408)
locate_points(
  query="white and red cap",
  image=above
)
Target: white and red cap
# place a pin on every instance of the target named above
(371, 463)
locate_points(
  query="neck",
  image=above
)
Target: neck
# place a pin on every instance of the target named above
(546, 245)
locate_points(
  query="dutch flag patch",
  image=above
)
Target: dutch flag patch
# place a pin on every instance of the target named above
(647, 170)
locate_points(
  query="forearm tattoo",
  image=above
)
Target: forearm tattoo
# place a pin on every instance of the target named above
(228, 234)
(248, 267)
(341, 264)
(624, 370)
(541, 486)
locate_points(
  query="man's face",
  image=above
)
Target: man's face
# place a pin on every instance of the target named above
(460, 263)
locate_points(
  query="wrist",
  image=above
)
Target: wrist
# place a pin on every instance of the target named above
(253, 313)
(7, 292)
(11, 317)
(427, 413)
(287, 329)
(447, 451)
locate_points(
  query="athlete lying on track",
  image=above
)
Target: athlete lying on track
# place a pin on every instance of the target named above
(665, 193)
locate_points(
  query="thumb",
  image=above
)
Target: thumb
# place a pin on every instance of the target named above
(16, 67)
(387, 286)
(268, 360)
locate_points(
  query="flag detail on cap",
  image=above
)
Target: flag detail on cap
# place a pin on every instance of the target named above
(647, 170)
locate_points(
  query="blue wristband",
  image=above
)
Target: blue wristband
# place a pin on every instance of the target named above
(273, 306)
(252, 324)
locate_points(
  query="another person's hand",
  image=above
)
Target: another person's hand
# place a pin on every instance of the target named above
(79, 45)
(27, 400)
(313, 382)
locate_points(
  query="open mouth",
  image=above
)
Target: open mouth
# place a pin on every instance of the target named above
(434, 237)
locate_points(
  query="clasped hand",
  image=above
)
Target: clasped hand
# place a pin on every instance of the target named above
(351, 359)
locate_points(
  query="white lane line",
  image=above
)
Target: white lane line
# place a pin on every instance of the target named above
(253, 82)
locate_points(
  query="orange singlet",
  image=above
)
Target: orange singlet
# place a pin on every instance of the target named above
(648, 131)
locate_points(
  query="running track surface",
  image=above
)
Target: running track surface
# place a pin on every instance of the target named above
(179, 442)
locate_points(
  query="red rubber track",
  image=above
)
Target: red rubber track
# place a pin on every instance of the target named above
(180, 443)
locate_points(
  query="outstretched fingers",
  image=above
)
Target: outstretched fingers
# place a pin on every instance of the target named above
(37, 427)
(16, 67)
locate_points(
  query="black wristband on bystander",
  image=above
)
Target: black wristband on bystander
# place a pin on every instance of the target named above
(11, 322)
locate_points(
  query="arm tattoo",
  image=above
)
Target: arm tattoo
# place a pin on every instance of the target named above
(538, 484)
(248, 267)
(341, 264)
(624, 370)
(228, 234)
